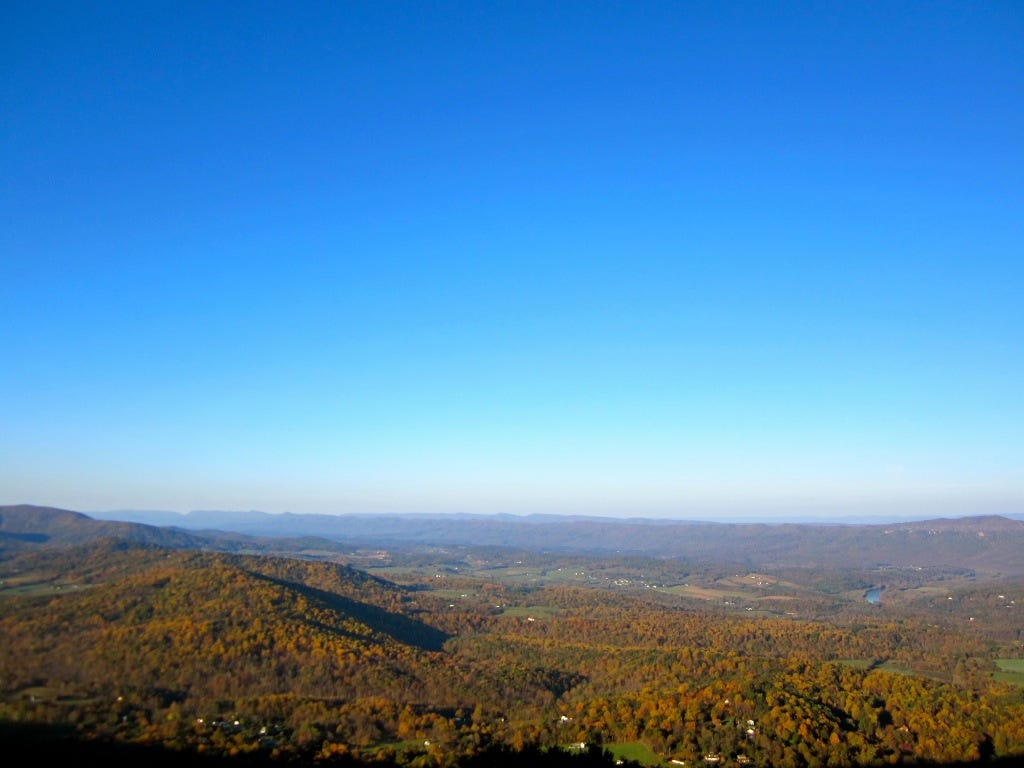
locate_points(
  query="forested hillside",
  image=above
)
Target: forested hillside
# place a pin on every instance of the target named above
(26, 525)
(224, 654)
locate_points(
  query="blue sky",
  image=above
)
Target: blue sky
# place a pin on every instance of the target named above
(698, 260)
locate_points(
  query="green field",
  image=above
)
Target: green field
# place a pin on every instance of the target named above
(23, 588)
(894, 668)
(635, 751)
(532, 611)
(856, 663)
(1010, 671)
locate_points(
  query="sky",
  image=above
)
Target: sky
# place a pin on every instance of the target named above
(695, 260)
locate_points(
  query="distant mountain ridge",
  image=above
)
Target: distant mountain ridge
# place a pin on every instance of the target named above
(29, 524)
(990, 543)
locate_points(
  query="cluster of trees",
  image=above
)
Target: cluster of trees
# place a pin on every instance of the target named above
(284, 658)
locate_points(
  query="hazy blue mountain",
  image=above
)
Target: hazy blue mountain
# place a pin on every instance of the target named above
(984, 543)
(29, 525)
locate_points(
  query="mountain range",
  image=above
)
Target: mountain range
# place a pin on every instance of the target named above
(986, 544)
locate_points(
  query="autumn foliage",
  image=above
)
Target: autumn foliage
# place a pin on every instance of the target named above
(221, 655)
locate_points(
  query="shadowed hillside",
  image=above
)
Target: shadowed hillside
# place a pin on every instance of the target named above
(228, 624)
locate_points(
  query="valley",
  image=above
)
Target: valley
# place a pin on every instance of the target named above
(441, 655)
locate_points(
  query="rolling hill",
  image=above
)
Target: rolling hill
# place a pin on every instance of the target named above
(226, 654)
(26, 524)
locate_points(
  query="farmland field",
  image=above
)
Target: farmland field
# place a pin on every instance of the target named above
(1010, 671)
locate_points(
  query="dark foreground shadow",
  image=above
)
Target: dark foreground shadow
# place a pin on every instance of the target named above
(43, 745)
(39, 745)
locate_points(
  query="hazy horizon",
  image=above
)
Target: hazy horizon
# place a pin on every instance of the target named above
(629, 260)
(162, 516)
